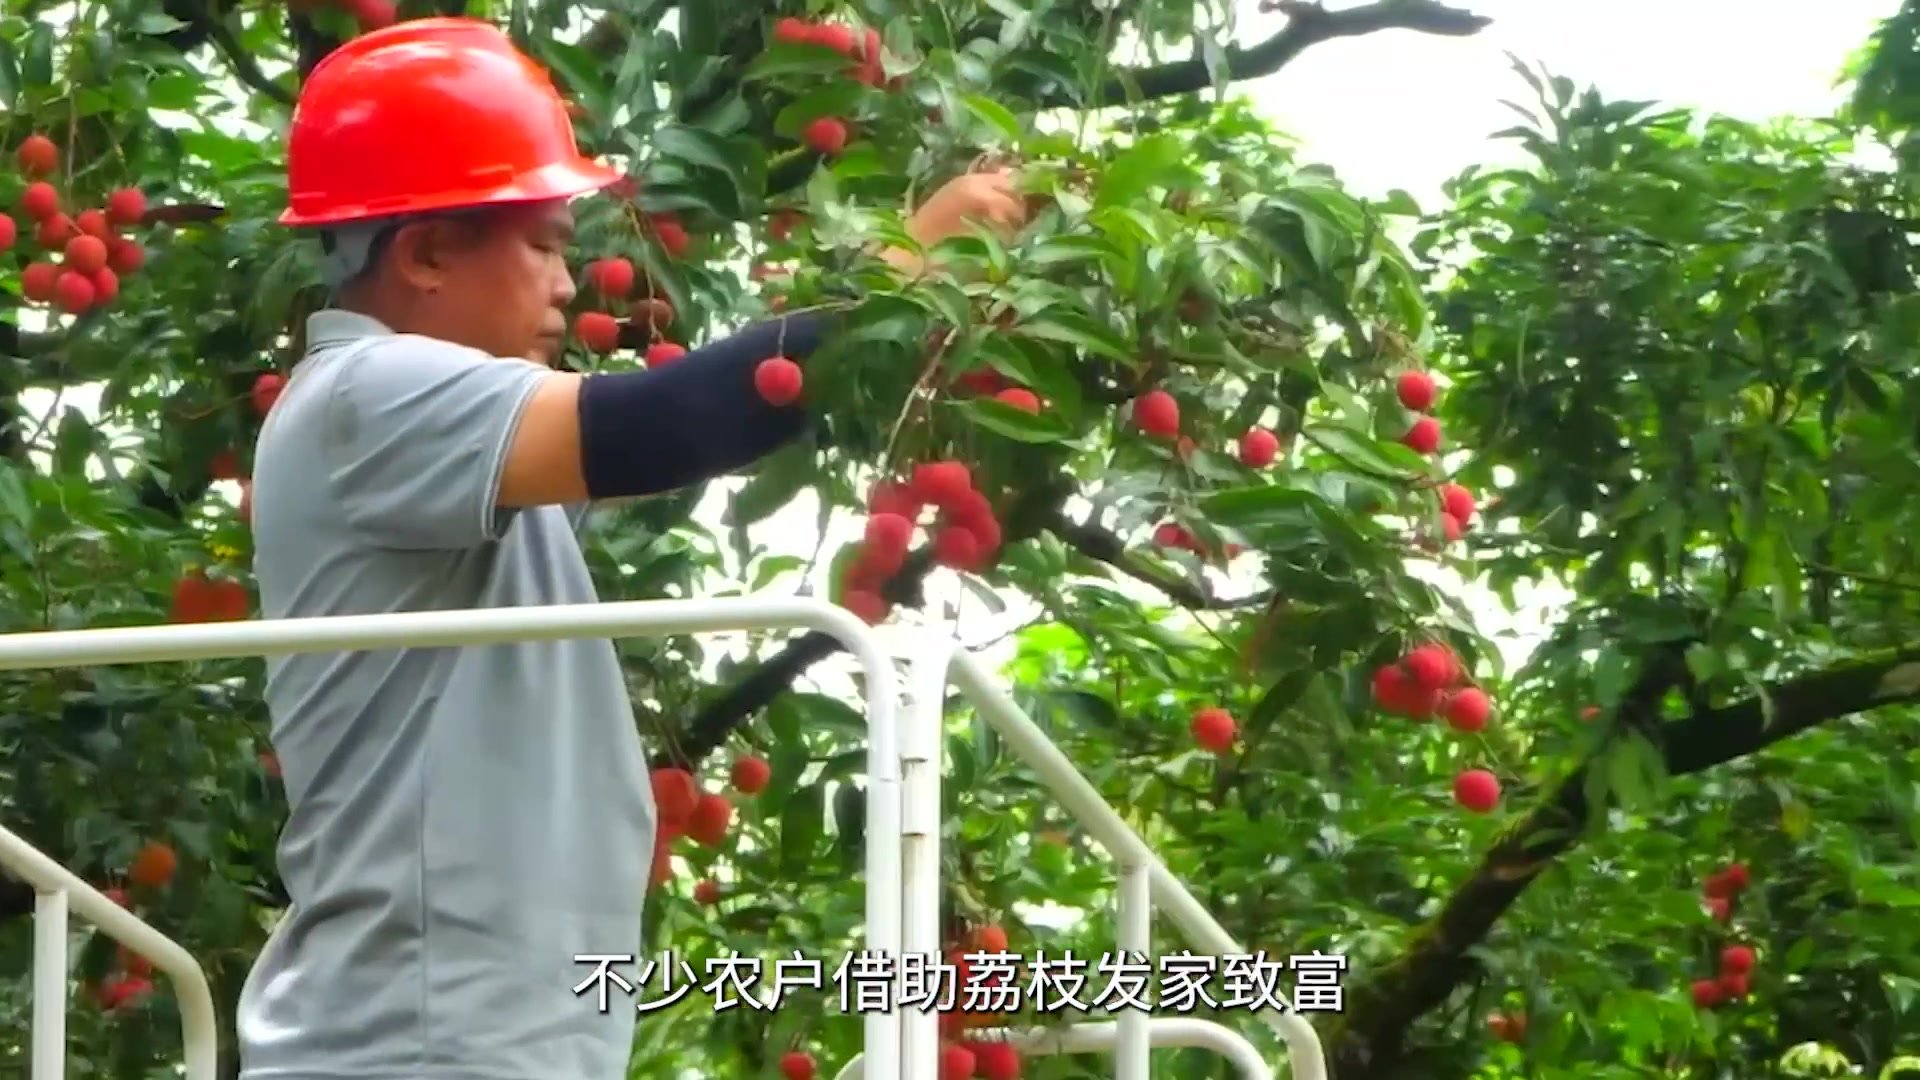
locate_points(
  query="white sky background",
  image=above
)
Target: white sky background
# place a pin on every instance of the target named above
(1406, 110)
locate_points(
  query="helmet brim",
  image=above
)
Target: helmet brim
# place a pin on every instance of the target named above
(560, 180)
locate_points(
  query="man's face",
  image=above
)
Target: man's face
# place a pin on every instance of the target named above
(504, 285)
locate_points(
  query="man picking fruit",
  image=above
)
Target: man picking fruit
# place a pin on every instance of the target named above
(466, 821)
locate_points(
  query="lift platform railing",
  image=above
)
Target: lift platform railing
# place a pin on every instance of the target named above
(1145, 884)
(279, 637)
(901, 831)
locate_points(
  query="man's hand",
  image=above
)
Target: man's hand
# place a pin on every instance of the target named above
(983, 198)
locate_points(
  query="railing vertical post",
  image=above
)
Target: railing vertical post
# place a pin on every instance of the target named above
(1134, 936)
(921, 760)
(884, 872)
(50, 971)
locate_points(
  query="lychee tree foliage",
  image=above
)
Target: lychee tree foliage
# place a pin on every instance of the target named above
(1200, 368)
(1685, 352)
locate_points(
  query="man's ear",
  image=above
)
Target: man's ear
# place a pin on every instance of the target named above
(418, 254)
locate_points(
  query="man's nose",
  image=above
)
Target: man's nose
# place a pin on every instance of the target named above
(564, 289)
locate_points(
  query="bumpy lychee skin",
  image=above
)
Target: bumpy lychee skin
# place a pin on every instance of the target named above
(778, 380)
(596, 330)
(1477, 790)
(1458, 501)
(1214, 729)
(1432, 666)
(827, 135)
(1416, 390)
(1157, 413)
(1467, 710)
(1423, 437)
(1258, 447)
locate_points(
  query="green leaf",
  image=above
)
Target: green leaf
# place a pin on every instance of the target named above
(9, 75)
(1243, 505)
(1152, 162)
(834, 99)
(157, 23)
(697, 147)
(993, 113)
(1074, 328)
(1004, 419)
(783, 58)
(780, 478)
(1368, 455)
(37, 69)
(802, 823)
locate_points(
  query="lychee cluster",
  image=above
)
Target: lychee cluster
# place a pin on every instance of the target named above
(828, 135)
(1730, 983)
(93, 255)
(1429, 680)
(1722, 891)
(613, 279)
(682, 808)
(966, 533)
(962, 1058)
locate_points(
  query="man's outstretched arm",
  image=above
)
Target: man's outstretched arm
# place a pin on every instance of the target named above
(599, 437)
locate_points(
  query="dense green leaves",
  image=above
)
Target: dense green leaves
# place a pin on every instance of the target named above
(1676, 365)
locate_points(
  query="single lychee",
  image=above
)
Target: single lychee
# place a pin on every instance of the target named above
(942, 483)
(778, 380)
(1157, 413)
(827, 135)
(598, 331)
(1423, 437)
(1477, 790)
(85, 254)
(1736, 960)
(1467, 710)
(671, 234)
(751, 774)
(39, 201)
(1432, 666)
(711, 816)
(126, 206)
(75, 292)
(610, 277)
(37, 155)
(674, 794)
(1024, 400)
(1416, 390)
(664, 352)
(1258, 447)
(1214, 729)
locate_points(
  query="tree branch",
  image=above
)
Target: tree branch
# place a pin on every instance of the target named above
(1367, 1041)
(1102, 546)
(1308, 24)
(245, 68)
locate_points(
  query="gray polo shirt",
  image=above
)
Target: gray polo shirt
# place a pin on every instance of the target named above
(464, 821)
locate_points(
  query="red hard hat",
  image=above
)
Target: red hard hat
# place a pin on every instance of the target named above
(430, 114)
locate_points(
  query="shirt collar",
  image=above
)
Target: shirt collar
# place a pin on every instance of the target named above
(334, 326)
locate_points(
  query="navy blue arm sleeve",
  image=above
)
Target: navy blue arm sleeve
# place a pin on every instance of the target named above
(646, 432)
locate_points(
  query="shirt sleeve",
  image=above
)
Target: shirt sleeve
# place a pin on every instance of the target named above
(417, 438)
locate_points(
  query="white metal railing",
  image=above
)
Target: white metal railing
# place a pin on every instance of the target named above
(1144, 882)
(903, 812)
